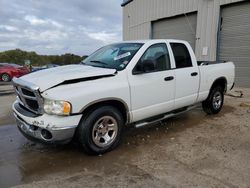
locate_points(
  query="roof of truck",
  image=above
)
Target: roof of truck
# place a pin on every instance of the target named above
(152, 40)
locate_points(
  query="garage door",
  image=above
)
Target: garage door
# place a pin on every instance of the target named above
(181, 27)
(235, 40)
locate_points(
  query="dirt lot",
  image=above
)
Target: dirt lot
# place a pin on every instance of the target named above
(192, 150)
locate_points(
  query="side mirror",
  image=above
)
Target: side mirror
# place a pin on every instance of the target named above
(144, 67)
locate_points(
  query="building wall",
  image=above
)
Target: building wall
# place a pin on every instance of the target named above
(138, 15)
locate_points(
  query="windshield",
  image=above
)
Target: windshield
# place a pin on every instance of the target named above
(114, 56)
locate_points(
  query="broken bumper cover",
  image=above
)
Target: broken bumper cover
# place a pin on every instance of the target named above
(47, 128)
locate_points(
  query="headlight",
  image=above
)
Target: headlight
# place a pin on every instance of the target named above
(57, 107)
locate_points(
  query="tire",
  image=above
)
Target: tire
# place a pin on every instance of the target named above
(213, 104)
(5, 77)
(101, 130)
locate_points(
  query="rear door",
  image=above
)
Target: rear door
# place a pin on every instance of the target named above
(186, 75)
(234, 40)
(179, 27)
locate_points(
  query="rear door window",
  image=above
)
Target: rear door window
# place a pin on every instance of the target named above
(181, 55)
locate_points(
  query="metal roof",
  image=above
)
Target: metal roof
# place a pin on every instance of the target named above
(125, 2)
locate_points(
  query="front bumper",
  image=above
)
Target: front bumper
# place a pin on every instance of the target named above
(46, 128)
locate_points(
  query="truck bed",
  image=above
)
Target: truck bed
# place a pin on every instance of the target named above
(210, 71)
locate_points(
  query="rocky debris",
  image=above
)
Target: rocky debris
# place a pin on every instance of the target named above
(245, 104)
(236, 94)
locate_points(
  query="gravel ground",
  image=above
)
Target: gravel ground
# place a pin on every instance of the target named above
(191, 150)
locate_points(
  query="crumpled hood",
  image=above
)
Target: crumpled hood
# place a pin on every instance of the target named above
(48, 78)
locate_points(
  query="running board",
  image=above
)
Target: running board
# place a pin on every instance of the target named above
(142, 124)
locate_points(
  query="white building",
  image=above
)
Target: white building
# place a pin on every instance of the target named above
(216, 29)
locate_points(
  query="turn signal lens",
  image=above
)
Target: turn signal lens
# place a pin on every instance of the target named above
(66, 108)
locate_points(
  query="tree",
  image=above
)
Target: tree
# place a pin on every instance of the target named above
(19, 56)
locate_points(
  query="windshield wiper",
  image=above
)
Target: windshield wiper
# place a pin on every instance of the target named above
(99, 62)
(82, 63)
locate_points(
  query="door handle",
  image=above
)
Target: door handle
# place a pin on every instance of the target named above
(169, 78)
(194, 73)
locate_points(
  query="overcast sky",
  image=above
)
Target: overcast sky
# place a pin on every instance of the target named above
(59, 26)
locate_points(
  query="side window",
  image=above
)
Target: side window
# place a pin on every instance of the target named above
(181, 55)
(158, 54)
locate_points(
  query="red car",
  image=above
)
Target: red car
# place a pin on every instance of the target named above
(9, 71)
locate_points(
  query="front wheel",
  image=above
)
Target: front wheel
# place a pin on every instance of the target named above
(100, 131)
(214, 102)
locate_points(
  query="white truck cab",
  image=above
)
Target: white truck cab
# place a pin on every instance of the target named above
(134, 82)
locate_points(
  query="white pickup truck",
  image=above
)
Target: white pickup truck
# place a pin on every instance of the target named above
(125, 83)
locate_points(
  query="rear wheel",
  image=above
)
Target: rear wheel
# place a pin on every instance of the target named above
(100, 131)
(214, 102)
(5, 77)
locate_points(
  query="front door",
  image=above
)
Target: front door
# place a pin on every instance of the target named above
(152, 91)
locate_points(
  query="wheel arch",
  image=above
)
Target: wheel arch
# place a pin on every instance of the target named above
(222, 81)
(120, 104)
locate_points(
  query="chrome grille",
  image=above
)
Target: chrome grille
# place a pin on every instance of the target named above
(28, 95)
